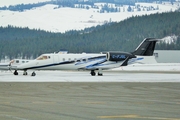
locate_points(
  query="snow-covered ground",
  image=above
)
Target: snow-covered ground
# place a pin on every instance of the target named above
(52, 18)
(84, 76)
(155, 67)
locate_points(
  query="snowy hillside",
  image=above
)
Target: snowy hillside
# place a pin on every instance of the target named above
(52, 18)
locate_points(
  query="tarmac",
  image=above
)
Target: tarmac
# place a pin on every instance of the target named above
(89, 100)
(76, 95)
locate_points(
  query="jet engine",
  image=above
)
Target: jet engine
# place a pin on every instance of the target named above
(118, 56)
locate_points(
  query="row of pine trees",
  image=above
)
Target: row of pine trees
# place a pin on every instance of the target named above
(123, 36)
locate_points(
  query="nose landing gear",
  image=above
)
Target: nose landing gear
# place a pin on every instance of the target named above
(15, 72)
(25, 72)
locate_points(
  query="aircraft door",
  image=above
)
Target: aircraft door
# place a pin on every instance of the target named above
(56, 59)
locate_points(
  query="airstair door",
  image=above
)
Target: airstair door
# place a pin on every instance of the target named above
(56, 59)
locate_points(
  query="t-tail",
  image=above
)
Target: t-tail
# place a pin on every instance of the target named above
(146, 48)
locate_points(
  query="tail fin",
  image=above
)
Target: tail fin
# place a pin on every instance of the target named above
(146, 48)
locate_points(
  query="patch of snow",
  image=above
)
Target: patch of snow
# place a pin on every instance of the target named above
(84, 76)
(158, 67)
(170, 39)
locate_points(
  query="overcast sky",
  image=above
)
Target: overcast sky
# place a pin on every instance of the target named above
(14, 2)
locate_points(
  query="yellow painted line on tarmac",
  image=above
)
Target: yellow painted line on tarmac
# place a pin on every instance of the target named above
(6, 102)
(95, 102)
(136, 116)
(119, 116)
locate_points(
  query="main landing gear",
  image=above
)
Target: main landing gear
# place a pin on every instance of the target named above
(93, 73)
(25, 73)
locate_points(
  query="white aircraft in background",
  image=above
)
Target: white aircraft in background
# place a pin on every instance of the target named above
(92, 62)
(13, 64)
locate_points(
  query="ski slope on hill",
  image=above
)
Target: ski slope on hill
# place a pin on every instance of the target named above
(54, 19)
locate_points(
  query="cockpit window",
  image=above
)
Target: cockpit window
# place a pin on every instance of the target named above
(43, 57)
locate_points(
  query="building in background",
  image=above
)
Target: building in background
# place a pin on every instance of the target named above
(167, 56)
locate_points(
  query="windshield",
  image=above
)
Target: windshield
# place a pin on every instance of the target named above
(43, 57)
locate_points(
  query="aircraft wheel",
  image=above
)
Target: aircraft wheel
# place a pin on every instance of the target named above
(33, 74)
(100, 74)
(15, 72)
(93, 73)
(25, 73)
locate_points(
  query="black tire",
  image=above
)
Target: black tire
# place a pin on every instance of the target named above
(25, 73)
(100, 74)
(15, 72)
(33, 74)
(93, 73)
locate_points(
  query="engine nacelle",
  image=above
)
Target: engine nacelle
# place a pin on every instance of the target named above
(118, 56)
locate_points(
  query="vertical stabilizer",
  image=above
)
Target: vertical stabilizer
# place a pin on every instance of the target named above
(146, 48)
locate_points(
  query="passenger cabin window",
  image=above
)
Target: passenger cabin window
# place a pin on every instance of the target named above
(17, 61)
(42, 57)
